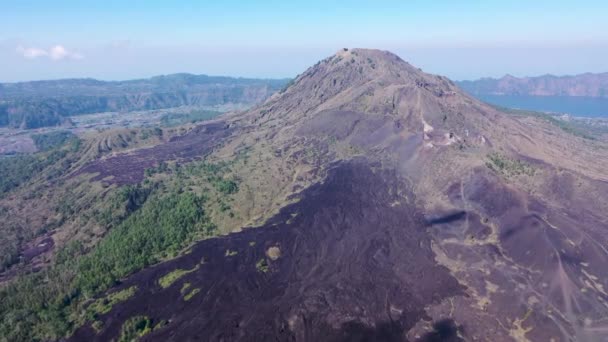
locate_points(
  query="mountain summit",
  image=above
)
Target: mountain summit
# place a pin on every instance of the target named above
(365, 81)
(374, 100)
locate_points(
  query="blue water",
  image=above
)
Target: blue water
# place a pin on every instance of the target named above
(573, 105)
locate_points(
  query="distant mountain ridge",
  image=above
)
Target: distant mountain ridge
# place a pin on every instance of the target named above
(588, 84)
(48, 103)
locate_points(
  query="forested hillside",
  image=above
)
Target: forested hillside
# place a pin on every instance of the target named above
(49, 103)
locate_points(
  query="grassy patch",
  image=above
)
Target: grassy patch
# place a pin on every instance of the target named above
(176, 119)
(134, 328)
(104, 305)
(230, 253)
(18, 170)
(262, 265)
(159, 325)
(226, 186)
(508, 167)
(191, 294)
(48, 141)
(185, 288)
(97, 326)
(563, 125)
(171, 277)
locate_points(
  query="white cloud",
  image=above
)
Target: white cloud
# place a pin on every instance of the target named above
(56, 53)
(31, 53)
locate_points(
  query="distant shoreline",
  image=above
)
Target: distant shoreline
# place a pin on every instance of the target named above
(576, 106)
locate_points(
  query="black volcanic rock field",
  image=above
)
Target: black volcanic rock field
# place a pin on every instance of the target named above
(129, 168)
(355, 264)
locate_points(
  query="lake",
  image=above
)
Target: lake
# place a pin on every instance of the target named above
(573, 105)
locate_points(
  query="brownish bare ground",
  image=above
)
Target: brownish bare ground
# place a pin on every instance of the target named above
(15, 143)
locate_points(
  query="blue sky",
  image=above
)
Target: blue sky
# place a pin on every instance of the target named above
(460, 39)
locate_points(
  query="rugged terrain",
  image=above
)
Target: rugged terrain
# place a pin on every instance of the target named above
(51, 103)
(589, 85)
(369, 201)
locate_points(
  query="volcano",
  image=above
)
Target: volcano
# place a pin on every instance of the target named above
(382, 203)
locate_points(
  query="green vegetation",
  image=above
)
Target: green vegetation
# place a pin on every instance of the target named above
(371, 63)
(152, 132)
(134, 328)
(48, 141)
(161, 168)
(39, 306)
(104, 305)
(226, 187)
(29, 113)
(4, 119)
(97, 326)
(55, 161)
(191, 294)
(262, 265)
(563, 125)
(159, 230)
(18, 170)
(185, 287)
(173, 276)
(31, 106)
(160, 324)
(51, 303)
(508, 167)
(124, 202)
(143, 224)
(31, 170)
(176, 119)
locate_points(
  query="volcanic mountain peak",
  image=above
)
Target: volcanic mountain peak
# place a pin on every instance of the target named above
(377, 83)
(375, 101)
(357, 75)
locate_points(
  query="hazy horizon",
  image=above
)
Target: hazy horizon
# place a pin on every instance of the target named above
(464, 41)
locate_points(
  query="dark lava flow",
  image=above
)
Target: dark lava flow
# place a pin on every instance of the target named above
(128, 168)
(449, 218)
(355, 265)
